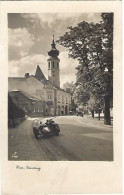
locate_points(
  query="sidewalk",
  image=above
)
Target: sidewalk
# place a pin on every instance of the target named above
(97, 122)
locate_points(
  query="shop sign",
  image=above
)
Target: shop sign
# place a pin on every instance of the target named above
(49, 103)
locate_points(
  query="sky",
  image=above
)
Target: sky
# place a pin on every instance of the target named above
(30, 38)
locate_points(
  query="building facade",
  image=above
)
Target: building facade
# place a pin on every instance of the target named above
(54, 100)
(31, 105)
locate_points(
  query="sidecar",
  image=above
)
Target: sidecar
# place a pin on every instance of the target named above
(36, 130)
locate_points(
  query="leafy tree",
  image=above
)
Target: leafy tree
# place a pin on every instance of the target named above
(70, 87)
(80, 96)
(92, 45)
(95, 105)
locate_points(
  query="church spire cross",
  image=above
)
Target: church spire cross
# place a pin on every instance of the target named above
(53, 43)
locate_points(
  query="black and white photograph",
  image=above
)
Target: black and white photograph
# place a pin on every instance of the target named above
(60, 86)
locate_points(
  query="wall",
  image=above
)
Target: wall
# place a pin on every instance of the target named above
(49, 97)
(28, 105)
(63, 101)
(29, 85)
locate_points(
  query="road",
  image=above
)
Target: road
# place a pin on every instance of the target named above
(79, 140)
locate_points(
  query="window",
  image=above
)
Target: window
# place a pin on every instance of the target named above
(57, 64)
(58, 98)
(49, 64)
(53, 64)
(53, 73)
(49, 96)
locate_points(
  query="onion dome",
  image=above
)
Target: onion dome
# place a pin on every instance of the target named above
(53, 52)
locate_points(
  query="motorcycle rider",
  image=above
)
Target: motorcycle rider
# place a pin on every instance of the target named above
(48, 128)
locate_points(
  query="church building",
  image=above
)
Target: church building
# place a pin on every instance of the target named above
(54, 100)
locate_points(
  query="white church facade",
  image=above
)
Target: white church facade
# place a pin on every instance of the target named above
(54, 100)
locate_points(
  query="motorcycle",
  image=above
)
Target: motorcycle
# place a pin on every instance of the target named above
(49, 128)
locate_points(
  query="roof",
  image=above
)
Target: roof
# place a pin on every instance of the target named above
(15, 89)
(58, 88)
(39, 75)
(29, 96)
(25, 94)
(63, 90)
(16, 78)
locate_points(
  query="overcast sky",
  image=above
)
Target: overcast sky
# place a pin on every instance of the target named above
(30, 37)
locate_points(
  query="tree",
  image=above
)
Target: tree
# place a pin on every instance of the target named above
(70, 87)
(80, 96)
(95, 105)
(92, 45)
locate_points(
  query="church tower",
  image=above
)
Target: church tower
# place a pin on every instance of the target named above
(53, 65)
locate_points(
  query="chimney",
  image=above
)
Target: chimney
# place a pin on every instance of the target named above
(26, 75)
